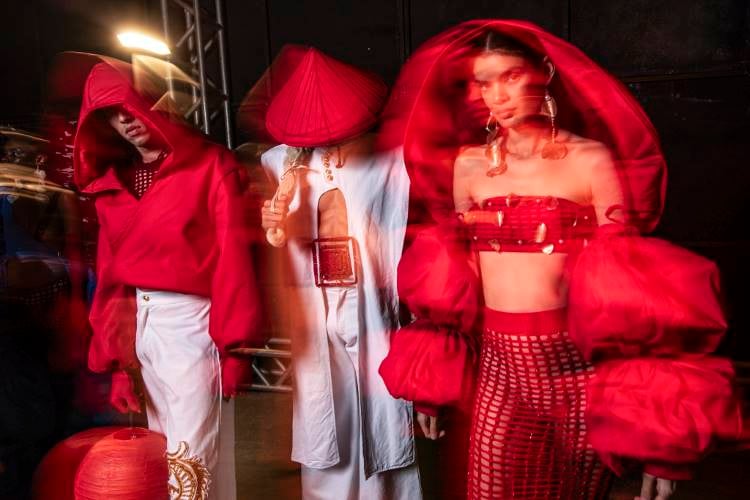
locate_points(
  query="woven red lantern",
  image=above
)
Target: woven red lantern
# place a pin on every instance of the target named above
(54, 476)
(104, 463)
(129, 464)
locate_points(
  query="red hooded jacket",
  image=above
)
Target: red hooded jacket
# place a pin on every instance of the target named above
(188, 233)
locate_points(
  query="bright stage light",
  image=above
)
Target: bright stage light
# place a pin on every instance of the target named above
(140, 41)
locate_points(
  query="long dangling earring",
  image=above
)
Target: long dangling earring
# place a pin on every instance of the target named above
(494, 153)
(491, 125)
(553, 150)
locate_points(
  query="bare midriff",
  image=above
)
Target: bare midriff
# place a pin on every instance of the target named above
(523, 281)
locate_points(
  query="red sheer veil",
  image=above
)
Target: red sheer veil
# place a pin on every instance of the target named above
(433, 111)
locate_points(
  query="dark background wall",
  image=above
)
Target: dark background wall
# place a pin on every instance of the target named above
(688, 62)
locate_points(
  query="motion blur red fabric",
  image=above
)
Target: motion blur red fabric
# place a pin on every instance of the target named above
(432, 361)
(666, 412)
(437, 279)
(629, 296)
(648, 312)
(429, 365)
(187, 234)
(324, 102)
(632, 296)
(433, 112)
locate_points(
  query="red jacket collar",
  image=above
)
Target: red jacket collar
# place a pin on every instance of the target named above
(106, 182)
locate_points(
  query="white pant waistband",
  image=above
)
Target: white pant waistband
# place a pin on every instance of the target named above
(160, 297)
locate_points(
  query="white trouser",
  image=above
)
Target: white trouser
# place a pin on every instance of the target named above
(182, 377)
(346, 480)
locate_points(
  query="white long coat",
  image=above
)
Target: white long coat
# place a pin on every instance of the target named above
(375, 188)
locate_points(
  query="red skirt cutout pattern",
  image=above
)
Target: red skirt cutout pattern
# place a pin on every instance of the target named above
(528, 436)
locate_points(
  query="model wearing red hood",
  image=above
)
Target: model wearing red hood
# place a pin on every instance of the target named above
(187, 234)
(184, 246)
(560, 292)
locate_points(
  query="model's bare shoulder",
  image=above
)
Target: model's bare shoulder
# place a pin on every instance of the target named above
(587, 154)
(583, 147)
(471, 158)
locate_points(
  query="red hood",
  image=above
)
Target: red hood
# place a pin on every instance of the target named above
(433, 118)
(97, 147)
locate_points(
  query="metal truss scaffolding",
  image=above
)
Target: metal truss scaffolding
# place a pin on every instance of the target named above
(272, 365)
(195, 32)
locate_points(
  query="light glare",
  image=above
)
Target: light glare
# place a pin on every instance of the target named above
(136, 40)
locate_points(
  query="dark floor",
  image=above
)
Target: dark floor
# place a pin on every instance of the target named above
(264, 470)
(263, 423)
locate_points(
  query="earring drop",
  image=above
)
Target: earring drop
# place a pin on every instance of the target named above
(494, 153)
(552, 150)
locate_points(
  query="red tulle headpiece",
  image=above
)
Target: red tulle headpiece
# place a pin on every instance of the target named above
(432, 112)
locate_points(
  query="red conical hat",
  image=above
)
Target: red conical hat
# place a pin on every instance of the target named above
(324, 102)
(251, 115)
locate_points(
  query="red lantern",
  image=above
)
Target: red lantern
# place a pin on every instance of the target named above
(55, 474)
(118, 463)
(128, 465)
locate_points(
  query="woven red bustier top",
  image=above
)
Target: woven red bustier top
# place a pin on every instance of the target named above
(515, 223)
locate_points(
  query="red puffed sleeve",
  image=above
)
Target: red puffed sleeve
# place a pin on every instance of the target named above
(648, 314)
(668, 413)
(431, 361)
(112, 317)
(235, 309)
(633, 296)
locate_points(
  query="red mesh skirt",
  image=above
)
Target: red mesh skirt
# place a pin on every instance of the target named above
(528, 436)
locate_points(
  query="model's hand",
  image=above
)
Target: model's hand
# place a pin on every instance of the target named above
(273, 214)
(430, 426)
(122, 395)
(656, 488)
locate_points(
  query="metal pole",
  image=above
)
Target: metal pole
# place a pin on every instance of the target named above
(224, 77)
(403, 9)
(190, 28)
(165, 27)
(165, 20)
(201, 67)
